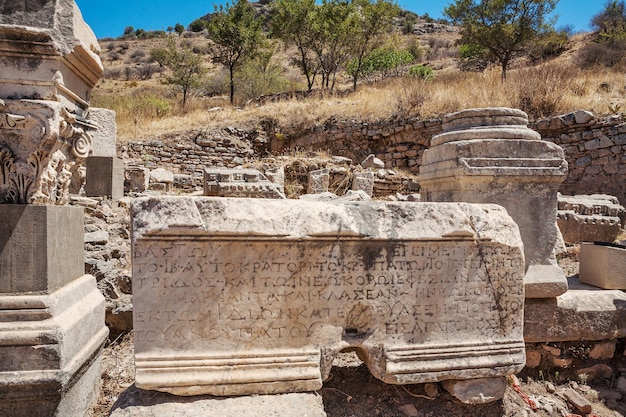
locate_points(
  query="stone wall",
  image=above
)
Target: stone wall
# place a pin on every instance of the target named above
(191, 152)
(595, 148)
(398, 142)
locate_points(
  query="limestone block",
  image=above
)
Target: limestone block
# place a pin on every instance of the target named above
(578, 228)
(136, 179)
(248, 296)
(603, 266)
(50, 350)
(138, 403)
(490, 156)
(240, 183)
(41, 247)
(319, 181)
(41, 146)
(363, 181)
(103, 132)
(105, 177)
(477, 391)
(276, 175)
(590, 218)
(48, 53)
(372, 162)
(582, 313)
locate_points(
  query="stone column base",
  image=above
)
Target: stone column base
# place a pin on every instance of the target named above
(50, 348)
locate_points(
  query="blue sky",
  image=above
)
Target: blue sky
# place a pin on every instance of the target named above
(108, 18)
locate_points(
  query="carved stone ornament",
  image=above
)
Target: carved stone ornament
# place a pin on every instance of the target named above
(48, 53)
(41, 145)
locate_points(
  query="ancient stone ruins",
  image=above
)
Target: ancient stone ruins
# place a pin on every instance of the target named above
(52, 327)
(242, 292)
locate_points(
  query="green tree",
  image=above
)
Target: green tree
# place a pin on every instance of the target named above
(332, 34)
(384, 62)
(610, 23)
(198, 25)
(236, 35)
(505, 28)
(129, 31)
(370, 20)
(179, 29)
(186, 69)
(292, 22)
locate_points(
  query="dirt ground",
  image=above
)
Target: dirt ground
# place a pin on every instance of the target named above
(352, 392)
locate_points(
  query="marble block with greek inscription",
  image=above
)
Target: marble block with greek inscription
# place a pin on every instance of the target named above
(245, 296)
(319, 181)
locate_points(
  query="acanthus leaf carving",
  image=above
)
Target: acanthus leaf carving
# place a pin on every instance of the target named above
(41, 143)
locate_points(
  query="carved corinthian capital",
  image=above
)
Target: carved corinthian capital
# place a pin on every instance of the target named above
(41, 144)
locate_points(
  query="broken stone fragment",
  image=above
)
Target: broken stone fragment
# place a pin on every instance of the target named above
(476, 391)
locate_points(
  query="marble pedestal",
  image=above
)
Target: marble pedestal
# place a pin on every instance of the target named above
(490, 156)
(51, 314)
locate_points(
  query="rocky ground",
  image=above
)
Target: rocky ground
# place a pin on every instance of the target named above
(352, 392)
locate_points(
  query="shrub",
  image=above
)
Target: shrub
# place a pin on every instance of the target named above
(382, 62)
(137, 55)
(197, 25)
(440, 48)
(607, 55)
(414, 48)
(548, 45)
(473, 57)
(423, 72)
(255, 79)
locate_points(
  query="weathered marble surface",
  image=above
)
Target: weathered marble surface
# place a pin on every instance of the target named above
(50, 348)
(584, 312)
(222, 182)
(244, 296)
(48, 53)
(590, 218)
(41, 146)
(603, 266)
(490, 156)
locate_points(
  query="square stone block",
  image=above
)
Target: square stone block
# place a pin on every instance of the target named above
(603, 266)
(248, 296)
(103, 132)
(41, 247)
(105, 177)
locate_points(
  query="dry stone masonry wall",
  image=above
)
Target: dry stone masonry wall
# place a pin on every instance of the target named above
(595, 148)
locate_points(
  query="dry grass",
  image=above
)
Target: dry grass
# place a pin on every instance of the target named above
(148, 109)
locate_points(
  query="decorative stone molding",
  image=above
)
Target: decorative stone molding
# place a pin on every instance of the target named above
(48, 53)
(41, 145)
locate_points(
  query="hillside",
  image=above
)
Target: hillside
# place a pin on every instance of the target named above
(146, 107)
